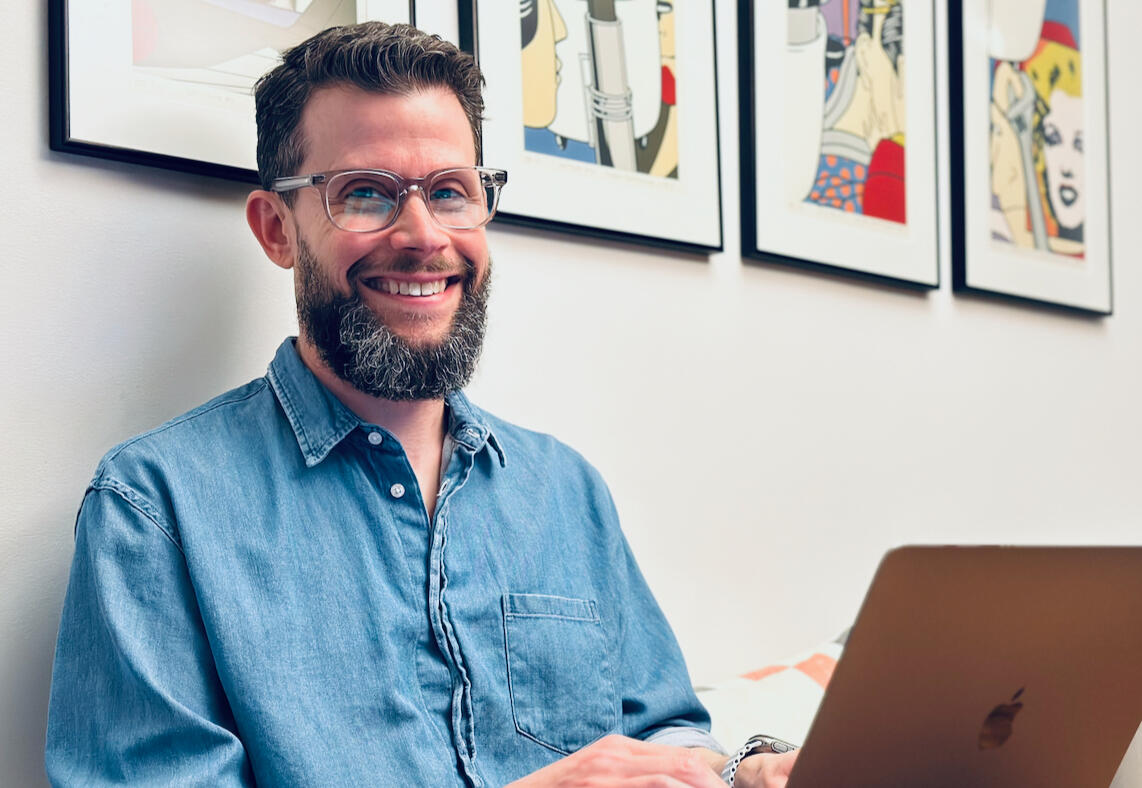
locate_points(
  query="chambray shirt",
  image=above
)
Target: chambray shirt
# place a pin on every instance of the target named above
(258, 595)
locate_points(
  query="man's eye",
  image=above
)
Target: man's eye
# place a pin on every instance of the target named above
(449, 198)
(448, 193)
(1079, 143)
(368, 191)
(366, 198)
(1052, 136)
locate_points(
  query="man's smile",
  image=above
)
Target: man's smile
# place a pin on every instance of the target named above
(408, 287)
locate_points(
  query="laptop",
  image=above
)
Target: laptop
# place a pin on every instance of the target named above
(985, 666)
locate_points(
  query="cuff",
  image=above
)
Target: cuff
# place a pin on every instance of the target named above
(681, 736)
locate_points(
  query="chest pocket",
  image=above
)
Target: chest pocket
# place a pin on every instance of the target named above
(559, 670)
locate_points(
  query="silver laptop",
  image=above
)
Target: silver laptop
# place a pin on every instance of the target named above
(985, 666)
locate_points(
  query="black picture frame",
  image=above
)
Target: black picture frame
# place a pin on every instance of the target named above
(778, 223)
(587, 198)
(73, 70)
(989, 257)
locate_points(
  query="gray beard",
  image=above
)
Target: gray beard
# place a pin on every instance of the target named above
(366, 354)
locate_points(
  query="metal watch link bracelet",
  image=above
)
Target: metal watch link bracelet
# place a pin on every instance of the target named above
(755, 745)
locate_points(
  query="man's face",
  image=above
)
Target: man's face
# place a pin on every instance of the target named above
(392, 345)
(1063, 151)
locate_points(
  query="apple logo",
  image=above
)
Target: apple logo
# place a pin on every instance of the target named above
(997, 726)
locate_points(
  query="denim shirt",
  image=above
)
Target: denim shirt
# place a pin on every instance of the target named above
(258, 595)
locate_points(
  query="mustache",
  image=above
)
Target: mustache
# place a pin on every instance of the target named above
(408, 264)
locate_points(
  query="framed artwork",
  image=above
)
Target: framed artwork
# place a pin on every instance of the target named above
(605, 114)
(1030, 152)
(838, 136)
(169, 83)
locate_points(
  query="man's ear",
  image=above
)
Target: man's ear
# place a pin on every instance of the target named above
(266, 214)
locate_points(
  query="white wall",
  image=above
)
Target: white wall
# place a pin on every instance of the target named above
(768, 433)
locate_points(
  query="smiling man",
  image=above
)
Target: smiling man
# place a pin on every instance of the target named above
(345, 573)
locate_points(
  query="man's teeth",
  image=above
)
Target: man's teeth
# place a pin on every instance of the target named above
(409, 288)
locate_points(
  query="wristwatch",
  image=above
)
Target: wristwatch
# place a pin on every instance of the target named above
(756, 745)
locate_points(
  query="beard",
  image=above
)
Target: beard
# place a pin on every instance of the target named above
(361, 350)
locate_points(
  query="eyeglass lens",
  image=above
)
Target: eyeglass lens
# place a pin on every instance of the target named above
(364, 201)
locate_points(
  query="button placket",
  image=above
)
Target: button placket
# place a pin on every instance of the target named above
(463, 721)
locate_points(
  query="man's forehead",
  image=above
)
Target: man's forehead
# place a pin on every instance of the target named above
(340, 118)
(348, 94)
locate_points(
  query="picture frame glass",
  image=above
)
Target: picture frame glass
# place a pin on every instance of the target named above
(174, 78)
(1035, 151)
(843, 137)
(607, 126)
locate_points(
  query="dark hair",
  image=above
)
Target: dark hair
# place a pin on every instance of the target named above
(374, 56)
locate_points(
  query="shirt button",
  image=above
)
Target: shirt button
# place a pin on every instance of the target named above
(397, 490)
(375, 438)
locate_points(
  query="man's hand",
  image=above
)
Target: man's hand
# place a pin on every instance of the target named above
(619, 761)
(765, 771)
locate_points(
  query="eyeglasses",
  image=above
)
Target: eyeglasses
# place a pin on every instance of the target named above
(367, 201)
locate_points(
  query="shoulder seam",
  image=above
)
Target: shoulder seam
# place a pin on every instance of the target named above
(140, 504)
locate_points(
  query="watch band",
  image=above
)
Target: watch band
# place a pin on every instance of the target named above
(755, 745)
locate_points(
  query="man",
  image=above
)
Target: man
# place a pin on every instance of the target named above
(344, 573)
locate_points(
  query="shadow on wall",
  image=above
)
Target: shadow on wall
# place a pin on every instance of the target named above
(29, 647)
(137, 315)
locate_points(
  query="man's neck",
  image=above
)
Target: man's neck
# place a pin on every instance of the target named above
(417, 424)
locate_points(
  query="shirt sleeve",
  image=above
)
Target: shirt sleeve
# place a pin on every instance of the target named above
(686, 737)
(135, 696)
(657, 695)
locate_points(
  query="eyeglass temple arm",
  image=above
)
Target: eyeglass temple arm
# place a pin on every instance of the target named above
(295, 182)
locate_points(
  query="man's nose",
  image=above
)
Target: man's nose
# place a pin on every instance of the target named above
(415, 228)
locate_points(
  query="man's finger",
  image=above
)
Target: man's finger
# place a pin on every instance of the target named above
(621, 761)
(649, 759)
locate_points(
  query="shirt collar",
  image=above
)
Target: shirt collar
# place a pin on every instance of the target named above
(320, 421)
(469, 426)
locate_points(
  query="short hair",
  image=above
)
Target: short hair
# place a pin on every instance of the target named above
(374, 56)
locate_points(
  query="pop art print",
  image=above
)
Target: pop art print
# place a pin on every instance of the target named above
(864, 117)
(839, 159)
(1038, 184)
(599, 83)
(1030, 151)
(605, 112)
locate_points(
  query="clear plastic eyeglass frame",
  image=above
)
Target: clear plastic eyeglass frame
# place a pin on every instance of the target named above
(490, 182)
